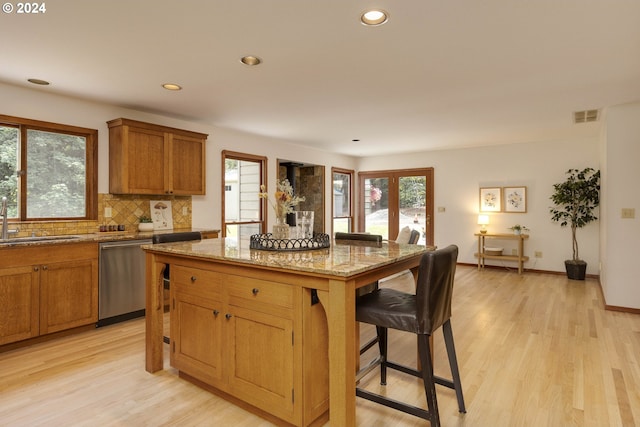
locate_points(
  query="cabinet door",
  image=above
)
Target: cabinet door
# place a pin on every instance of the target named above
(187, 170)
(19, 295)
(261, 365)
(146, 153)
(196, 336)
(68, 295)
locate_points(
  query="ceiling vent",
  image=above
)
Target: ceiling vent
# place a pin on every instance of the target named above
(585, 116)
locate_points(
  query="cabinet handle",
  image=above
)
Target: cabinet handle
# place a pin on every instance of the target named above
(255, 291)
(44, 267)
(216, 312)
(228, 316)
(35, 269)
(193, 278)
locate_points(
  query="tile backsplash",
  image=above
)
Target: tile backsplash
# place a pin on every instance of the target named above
(125, 210)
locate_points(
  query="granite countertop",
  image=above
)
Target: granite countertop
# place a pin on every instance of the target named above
(338, 260)
(91, 237)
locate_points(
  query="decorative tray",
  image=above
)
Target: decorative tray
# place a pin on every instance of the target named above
(266, 242)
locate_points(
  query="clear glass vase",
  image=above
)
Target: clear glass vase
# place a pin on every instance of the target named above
(280, 229)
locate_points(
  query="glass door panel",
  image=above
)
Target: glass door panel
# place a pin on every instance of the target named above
(412, 204)
(391, 200)
(376, 206)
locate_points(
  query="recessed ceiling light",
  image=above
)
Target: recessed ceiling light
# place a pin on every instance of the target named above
(172, 86)
(374, 17)
(250, 60)
(38, 82)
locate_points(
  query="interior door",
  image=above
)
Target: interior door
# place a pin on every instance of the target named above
(391, 200)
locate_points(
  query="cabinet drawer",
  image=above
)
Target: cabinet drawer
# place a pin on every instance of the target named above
(195, 281)
(261, 292)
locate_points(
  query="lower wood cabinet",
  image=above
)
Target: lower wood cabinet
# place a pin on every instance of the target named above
(19, 293)
(67, 295)
(45, 291)
(239, 335)
(261, 366)
(196, 324)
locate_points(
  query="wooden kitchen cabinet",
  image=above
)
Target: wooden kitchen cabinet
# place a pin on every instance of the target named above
(261, 340)
(196, 320)
(45, 291)
(68, 295)
(145, 158)
(237, 335)
(19, 293)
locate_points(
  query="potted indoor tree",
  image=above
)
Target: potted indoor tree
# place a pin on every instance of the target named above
(575, 200)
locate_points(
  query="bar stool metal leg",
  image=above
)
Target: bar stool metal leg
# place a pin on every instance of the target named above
(382, 345)
(427, 377)
(453, 363)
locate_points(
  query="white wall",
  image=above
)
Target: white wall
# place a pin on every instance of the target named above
(459, 174)
(619, 236)
(39, 104)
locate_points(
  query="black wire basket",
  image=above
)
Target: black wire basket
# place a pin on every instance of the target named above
(266, 242)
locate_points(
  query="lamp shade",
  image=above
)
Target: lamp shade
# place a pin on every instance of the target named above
(483, 219)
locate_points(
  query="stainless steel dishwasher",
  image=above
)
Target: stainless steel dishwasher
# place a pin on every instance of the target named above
(122, 281)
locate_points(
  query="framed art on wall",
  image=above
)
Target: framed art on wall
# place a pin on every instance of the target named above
(490, 199)
(515, 199)
(161, 214)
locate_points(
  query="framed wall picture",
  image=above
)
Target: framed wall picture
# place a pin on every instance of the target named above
(161, 214)
(515, 199)
(490, 199)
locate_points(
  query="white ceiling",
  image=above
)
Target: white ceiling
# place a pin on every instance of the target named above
(438, 74)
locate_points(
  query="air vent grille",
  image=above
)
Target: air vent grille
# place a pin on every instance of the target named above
(585, 116)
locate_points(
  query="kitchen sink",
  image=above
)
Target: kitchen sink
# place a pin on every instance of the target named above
(37, 239)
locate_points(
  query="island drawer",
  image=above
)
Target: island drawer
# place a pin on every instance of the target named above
(196, 281)
(262, 292)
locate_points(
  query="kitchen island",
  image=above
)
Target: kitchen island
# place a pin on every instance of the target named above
(274, 329)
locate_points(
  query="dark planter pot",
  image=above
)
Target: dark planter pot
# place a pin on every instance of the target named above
(576, 270)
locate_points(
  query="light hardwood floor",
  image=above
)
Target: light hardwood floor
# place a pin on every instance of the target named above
(533, 350)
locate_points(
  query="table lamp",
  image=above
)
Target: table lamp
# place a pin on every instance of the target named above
(483, 221)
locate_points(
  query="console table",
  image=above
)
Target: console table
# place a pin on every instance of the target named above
(520, 258)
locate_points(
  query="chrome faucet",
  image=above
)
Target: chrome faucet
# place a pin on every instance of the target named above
(3, 213)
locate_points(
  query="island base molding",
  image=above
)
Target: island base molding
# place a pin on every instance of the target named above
(320, 421)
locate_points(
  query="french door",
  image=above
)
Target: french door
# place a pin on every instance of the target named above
(391, 200)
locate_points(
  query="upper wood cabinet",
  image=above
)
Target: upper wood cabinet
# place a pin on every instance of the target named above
(150, 159)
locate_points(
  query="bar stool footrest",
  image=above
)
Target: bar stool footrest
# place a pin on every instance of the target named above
(394, 404)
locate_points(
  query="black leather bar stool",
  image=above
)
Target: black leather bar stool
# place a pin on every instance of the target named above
(183, 236)
(421, 314)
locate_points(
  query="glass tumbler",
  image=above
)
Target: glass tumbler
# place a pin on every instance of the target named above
(304, 223)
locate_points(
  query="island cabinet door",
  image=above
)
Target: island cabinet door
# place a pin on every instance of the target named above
(196, 336)
(261, 363)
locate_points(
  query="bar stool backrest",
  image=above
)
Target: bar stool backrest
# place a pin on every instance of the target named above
(434, 288)
(359, 236)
